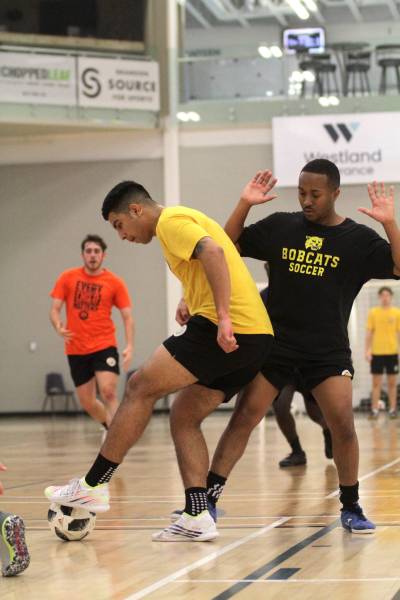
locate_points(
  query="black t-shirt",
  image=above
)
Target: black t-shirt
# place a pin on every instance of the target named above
(316, 272)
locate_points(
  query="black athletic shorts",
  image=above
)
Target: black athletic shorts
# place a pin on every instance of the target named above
(84, 366)
(385, 363)
(195, 347)
(286, 366)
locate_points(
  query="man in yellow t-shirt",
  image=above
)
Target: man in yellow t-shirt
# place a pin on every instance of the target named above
(381, 349)
(223, 341)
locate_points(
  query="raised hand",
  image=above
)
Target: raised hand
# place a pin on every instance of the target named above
(257, 190)
(382, 209)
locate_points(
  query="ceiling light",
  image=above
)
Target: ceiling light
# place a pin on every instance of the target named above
(264, 51)
(334, 100)
(324, 101)
(309, 76)
(183, 116)
(299, 9)
(194, 116)
(276, 52)
(311, 5)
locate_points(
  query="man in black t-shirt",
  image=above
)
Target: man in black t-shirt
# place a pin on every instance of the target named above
(318, 263)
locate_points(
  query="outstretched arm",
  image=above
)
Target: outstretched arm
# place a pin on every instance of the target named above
(212, 257)
(255, 192)
(382, 210)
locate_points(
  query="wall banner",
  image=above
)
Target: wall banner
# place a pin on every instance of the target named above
(363, 146)
(37, 78)
(118, 83)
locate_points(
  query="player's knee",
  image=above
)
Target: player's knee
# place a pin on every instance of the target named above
(249, 415)
(87, 403)
(138, 388)
(108, 393)
(343, 431)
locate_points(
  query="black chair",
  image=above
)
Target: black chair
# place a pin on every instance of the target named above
(388, 57)
(55, 389)
(324, 71)
(357, 63)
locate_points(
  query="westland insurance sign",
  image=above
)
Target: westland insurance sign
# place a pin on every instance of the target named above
(363, 146)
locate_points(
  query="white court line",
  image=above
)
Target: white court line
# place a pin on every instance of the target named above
(203, 561)
(214, 555)
(290, 580)
(368, 475)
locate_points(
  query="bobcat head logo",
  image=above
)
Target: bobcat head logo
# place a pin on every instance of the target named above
(313, 242)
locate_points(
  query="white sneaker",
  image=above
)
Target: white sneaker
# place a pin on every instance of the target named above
(189, 529)
(78, 493)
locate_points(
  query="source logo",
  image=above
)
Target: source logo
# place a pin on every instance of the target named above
(91, 83)
(335, 131)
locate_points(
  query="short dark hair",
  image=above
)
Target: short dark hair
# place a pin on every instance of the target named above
(92, 237)
(385, 288)
(123, 194)
(323, 166)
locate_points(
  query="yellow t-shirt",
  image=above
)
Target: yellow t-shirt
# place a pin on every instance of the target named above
(179, 229)
(385, 325)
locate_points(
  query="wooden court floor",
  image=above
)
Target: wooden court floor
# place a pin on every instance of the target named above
(279, 533)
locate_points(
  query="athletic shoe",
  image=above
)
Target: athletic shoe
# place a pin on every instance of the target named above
(78, 493)
(294, 459)
(328, 443)
(392, 414)
(374, 414)
(355, 521)
(212, 509)
(189, 529)
(13, 550)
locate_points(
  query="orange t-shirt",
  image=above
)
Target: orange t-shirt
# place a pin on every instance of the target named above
(89, 300)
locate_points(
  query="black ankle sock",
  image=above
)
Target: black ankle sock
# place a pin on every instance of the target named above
(101, 471)
(296, 446)
(196, 500)
(348, 495)
(105, 426)
(215, 486)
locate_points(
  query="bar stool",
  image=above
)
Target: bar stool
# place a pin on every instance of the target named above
(357, 63)
(324, 71)
(388, 56)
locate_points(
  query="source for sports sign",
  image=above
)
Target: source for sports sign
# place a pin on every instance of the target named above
(363, 146)
(118, 83)
(37, 78)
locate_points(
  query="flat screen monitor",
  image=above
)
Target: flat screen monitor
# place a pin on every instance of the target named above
(310, 39)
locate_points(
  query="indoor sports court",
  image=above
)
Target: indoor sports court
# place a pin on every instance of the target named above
(166, 121)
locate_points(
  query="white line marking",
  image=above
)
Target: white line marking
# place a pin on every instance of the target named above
(214, 555)
(203, 561)
(368, 475)
(290, 580)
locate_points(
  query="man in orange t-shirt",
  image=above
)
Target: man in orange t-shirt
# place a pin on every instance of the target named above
(89, 293)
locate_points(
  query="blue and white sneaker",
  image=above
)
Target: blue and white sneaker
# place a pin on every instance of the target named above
(212, 509)
(355, 521)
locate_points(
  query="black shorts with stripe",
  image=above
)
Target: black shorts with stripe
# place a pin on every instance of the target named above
(195, 347)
